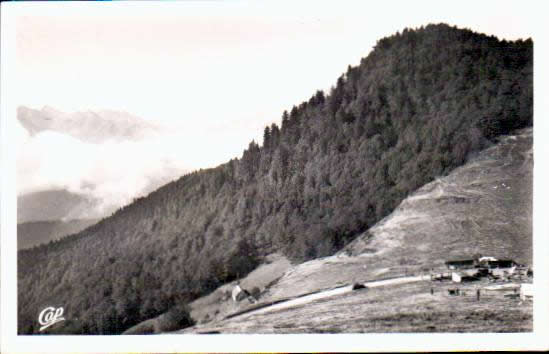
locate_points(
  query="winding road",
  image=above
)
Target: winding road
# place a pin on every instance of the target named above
(329, 293)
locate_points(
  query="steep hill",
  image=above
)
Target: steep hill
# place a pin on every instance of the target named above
(483, 207)
(414, 109)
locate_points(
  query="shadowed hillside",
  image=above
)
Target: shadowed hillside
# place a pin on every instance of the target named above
(415, 108)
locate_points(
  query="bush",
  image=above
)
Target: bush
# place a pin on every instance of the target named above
(176, 318)
(255, 292)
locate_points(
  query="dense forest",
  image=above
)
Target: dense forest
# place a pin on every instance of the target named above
(416, 107)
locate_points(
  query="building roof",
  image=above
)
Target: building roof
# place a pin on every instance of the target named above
(461, 261)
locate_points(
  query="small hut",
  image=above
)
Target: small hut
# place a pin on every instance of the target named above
(238, 293)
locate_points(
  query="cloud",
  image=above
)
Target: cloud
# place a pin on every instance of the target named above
(112, 172)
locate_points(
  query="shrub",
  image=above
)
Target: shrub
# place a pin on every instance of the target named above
(177, 317)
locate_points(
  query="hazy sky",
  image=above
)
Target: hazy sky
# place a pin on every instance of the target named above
(218, 71)
(217, 66)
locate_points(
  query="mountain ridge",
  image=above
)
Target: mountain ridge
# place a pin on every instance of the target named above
(33, 233)
(88, 126)
(337, 164)
(52, 205)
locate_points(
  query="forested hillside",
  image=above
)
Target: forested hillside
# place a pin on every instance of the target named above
(413, 109)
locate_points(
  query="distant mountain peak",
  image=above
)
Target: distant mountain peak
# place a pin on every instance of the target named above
(89, 126)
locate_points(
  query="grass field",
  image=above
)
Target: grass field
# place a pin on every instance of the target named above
(399, 308)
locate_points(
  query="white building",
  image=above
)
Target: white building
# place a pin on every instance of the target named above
(526, 291)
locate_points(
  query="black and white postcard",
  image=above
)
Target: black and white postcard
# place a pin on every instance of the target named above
(226, 175)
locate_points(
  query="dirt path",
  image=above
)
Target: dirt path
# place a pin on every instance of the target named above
(333, 292)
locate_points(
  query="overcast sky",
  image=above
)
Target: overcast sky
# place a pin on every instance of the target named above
(218, 65)
(217, 71)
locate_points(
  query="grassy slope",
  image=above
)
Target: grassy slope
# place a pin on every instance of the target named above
(455, 216)
(401, 308)
(212, 306)
(483, 207)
